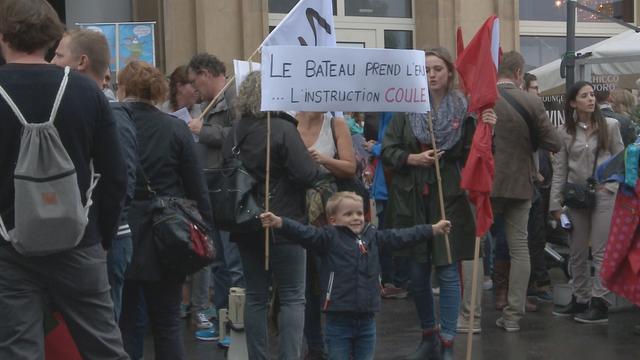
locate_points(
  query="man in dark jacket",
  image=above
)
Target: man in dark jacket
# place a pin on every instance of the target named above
(350, 268)
(74, 280)
(207, 74)
(87, 52)
(515, 172)
(627, 130)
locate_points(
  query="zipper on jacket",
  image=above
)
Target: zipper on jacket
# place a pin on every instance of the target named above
(327, 298)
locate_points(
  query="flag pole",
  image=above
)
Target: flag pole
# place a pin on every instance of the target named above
(266, 191)
(226, 86)
(474, 294)
(439, 181)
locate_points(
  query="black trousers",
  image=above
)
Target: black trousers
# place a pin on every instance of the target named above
(162, 300)
(537, 241)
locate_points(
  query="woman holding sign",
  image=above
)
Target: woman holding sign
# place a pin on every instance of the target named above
(413, 199)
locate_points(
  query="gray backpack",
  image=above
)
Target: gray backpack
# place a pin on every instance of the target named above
(49, 215)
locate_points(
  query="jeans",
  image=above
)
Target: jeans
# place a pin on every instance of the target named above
(537, 241)
(312, 311)
(200, 290)
(515, 213)
(351, 335)
(118, 259)
(449, 280)
(501, 249)
(228, 273)
(287, 265)
(76, 282)
(162, 299)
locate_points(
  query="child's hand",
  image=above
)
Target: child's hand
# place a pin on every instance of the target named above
(442, 227)
(270, 220)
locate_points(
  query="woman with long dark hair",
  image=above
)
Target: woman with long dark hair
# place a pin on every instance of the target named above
(588, 140)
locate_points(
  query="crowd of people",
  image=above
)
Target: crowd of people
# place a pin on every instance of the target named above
(325, 256)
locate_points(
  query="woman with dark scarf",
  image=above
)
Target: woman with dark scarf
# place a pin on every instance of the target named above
(413, 198)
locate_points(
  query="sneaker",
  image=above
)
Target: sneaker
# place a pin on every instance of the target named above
(436, 291)
(487, 284)
(507, 325)
(202, 321)
(572, 309)
(542, 294)
(463, 325)
(224, 343)
(389, 291)
(211, 312)
(184, 310)
(207, 335)
(597, 313)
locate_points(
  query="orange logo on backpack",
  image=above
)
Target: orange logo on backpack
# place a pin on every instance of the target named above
(50, 198)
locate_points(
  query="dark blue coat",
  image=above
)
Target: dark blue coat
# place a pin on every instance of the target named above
(356, 284)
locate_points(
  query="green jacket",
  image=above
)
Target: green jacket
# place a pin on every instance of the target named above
(408, 207)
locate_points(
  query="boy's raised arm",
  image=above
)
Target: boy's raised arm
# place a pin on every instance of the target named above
(401, 238)
(310, 237)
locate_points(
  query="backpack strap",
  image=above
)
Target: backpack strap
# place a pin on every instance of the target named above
(56, 102)
(61, 89)
(13, 107)
(3, 231)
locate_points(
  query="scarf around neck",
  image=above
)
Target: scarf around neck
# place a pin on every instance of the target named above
(447, 122)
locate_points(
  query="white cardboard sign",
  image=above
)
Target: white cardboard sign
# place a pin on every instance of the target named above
(327, 79)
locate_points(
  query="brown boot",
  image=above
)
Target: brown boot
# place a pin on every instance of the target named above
(501, 282)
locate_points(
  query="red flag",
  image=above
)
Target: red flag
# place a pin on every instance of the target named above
(620, 271)
(477, 66)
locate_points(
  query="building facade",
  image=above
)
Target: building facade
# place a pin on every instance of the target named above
(233, 29)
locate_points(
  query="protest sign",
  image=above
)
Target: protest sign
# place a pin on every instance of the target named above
(347, 79)
(243, 68)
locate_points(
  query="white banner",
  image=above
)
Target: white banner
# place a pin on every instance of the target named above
(309, 23)
(345, 79)
(241, 69)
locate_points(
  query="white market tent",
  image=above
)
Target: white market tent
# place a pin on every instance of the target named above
(618, 55)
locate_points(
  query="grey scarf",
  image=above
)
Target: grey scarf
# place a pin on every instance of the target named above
(447, 122)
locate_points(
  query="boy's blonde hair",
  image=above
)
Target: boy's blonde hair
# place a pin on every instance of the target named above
(336, 199)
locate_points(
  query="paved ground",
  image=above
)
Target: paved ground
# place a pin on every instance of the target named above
(543, 336)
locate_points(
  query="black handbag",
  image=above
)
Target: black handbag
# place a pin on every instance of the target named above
(232, 191)
(180, 234)
(582, 196)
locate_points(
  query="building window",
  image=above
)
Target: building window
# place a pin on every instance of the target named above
(542, 10)
(398, 39)
(540, 50)
(379, 8)
(284, 6)
(619, 9)
(547, 10)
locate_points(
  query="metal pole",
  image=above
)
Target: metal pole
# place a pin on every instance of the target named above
(570, 56)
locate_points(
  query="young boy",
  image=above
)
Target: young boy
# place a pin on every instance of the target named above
(350, 269)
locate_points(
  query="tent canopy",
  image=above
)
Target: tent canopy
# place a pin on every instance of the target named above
(619, 55)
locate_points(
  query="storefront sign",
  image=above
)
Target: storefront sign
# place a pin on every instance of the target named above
(554, 104)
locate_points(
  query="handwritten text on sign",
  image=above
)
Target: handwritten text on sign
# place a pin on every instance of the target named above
(346, 79)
